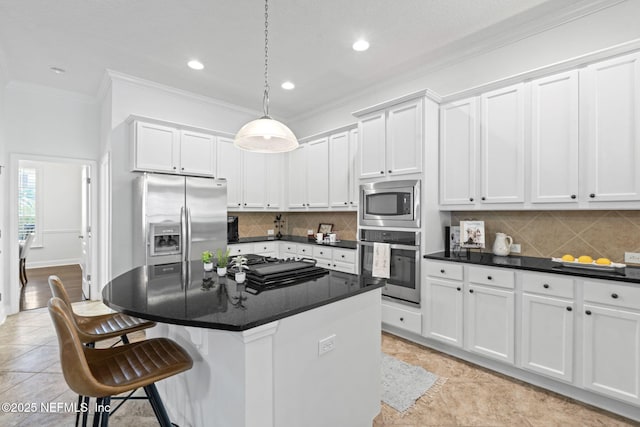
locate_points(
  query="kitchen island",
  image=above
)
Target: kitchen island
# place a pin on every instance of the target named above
(305, 354)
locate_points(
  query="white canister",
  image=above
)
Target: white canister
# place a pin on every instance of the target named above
(319, 237)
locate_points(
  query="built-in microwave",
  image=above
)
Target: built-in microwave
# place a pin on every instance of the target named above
(390, 204)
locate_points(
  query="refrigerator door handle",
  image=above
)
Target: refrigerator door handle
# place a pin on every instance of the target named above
(188, 242)
(183, 232)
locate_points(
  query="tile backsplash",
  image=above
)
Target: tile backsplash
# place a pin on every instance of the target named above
(254, 224)
(554, 233)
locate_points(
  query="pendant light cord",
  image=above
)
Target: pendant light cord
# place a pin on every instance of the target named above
(265, 98)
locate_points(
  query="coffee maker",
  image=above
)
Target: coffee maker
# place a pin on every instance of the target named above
(232, 229)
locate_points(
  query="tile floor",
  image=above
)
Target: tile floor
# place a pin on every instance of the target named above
(472, 396)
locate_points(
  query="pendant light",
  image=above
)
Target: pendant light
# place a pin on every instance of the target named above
(266, 135)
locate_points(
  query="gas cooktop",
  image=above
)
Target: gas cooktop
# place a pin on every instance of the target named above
(268, 272)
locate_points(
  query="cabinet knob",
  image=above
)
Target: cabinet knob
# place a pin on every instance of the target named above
(459, 288)
(592, 195)
(483, 198)
(389, 170)
(181, 168)
(588, 312)
(569, 309)
(351, 202)
(614, 296)
(334, 265)
(245, 204)
(489, 278)
(442, 271)
(546, 286)
(342, 256)
(470, 291)
(239, 204)
(402, 319)
(268, 204)
(471, 199)
(381, 172)
(345, 203)
(573, 196)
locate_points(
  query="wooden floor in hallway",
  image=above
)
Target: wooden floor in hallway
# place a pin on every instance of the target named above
(36, 293)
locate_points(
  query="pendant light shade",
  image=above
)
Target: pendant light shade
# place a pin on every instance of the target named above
(265, 135)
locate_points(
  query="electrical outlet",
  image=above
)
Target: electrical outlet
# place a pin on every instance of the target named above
(326, 345)
(515, 248)
(632, 257)
(270, 232)
(310, 232)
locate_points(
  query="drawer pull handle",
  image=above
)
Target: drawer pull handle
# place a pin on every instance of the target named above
(588, 312)
(483, 198)
(569, 309)
(471, 199)
(592, 195)
(342, 256)
(614, 296)
(442, 271)
(470, 291)
(546, 286)
(489, 278)
(573, 196)
(402, 319)
(459, 288)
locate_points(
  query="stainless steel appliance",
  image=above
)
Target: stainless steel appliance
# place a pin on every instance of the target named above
(404, 281)
(232, 229)
(178, 217)
(390, 204)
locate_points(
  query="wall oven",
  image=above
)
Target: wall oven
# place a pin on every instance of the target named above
(404, 281)
(390, 204)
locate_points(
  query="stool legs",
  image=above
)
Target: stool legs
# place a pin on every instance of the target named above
(156, 404)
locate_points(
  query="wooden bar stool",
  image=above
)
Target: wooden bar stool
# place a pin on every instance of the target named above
(97, 328)
(103, 373)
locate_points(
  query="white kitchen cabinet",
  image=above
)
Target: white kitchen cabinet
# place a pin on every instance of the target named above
(236, 249)
(555, 138)
(443, 311)
(230, 167)
(163, 148)
(343, 181)
(402, 316)
(254, 174)
(269, 249)
(458, 162)
(611, 340)
(502, 145)
(611, 101)
(354, 173)
(391, 140)
(317, 154)
(288, 250)
(297, 182)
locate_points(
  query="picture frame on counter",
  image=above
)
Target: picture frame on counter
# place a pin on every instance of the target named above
(325, 228)
(472, 234)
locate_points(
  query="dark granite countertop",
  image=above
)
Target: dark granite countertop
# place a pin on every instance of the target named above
(345, 244)
(169, 293)
(544, 265)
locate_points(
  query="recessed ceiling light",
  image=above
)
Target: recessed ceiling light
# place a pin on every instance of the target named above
(361, 45)
(58, 70)
(194, 64)
(288, 85)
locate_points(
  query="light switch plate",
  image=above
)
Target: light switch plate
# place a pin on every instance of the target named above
(269, 232)
(515, 248)
(632, 257)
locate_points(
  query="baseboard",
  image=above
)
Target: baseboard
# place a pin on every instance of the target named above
(53, 263)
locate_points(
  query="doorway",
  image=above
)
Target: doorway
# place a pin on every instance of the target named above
(58, 209)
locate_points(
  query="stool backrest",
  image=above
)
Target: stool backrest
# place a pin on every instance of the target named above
(58, 290)
(26, 246)
(72, 353)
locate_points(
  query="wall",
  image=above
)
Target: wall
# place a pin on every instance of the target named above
(4, 208)
(61, 215)
(130, 96)
(555, 233)
(608, 27)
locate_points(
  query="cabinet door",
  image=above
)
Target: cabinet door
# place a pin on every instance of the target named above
(489, 323)
(156, 148)
(354, 173)
(230, 167)
(502, 145)
(612, 102)
(255, 177)
(297, 178)
(197, 153)
(274, 180)
(371, 130)
(318, 173)
(458, 140)
(547, 336)
(339, 162)
(612, 352)
(443, 311)
(554, 139)
(404, 138)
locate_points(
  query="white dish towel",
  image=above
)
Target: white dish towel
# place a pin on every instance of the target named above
(381, 260)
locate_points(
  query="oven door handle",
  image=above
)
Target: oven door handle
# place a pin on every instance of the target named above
(393, 246)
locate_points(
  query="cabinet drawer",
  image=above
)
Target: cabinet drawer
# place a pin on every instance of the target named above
(613, 294)
(446, 270)
(344, 255)
(305, 251)
(401, 318)
(321, 252)
(239, 249)
(547, 284)
(264, 247)
(502, 278)
(344, 267)
(289, 248)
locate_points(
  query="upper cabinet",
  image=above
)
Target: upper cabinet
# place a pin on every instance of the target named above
(343, 176)
(163, 148)
(612, 118)
(391, 140)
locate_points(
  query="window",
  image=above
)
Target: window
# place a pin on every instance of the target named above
(28, 202)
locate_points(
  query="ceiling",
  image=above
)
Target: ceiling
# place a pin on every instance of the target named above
(309, 42)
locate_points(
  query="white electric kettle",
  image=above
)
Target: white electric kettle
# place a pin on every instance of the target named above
(502, 244)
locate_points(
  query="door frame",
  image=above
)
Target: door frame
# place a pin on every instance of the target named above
(13, 290)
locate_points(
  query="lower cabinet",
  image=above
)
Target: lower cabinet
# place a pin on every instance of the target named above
(442, 309)
(402, 317)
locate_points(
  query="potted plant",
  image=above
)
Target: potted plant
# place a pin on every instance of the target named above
(239, 264)
(207, 260)
(223, 260)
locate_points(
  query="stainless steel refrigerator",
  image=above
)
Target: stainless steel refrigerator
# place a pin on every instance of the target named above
(176, 218)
